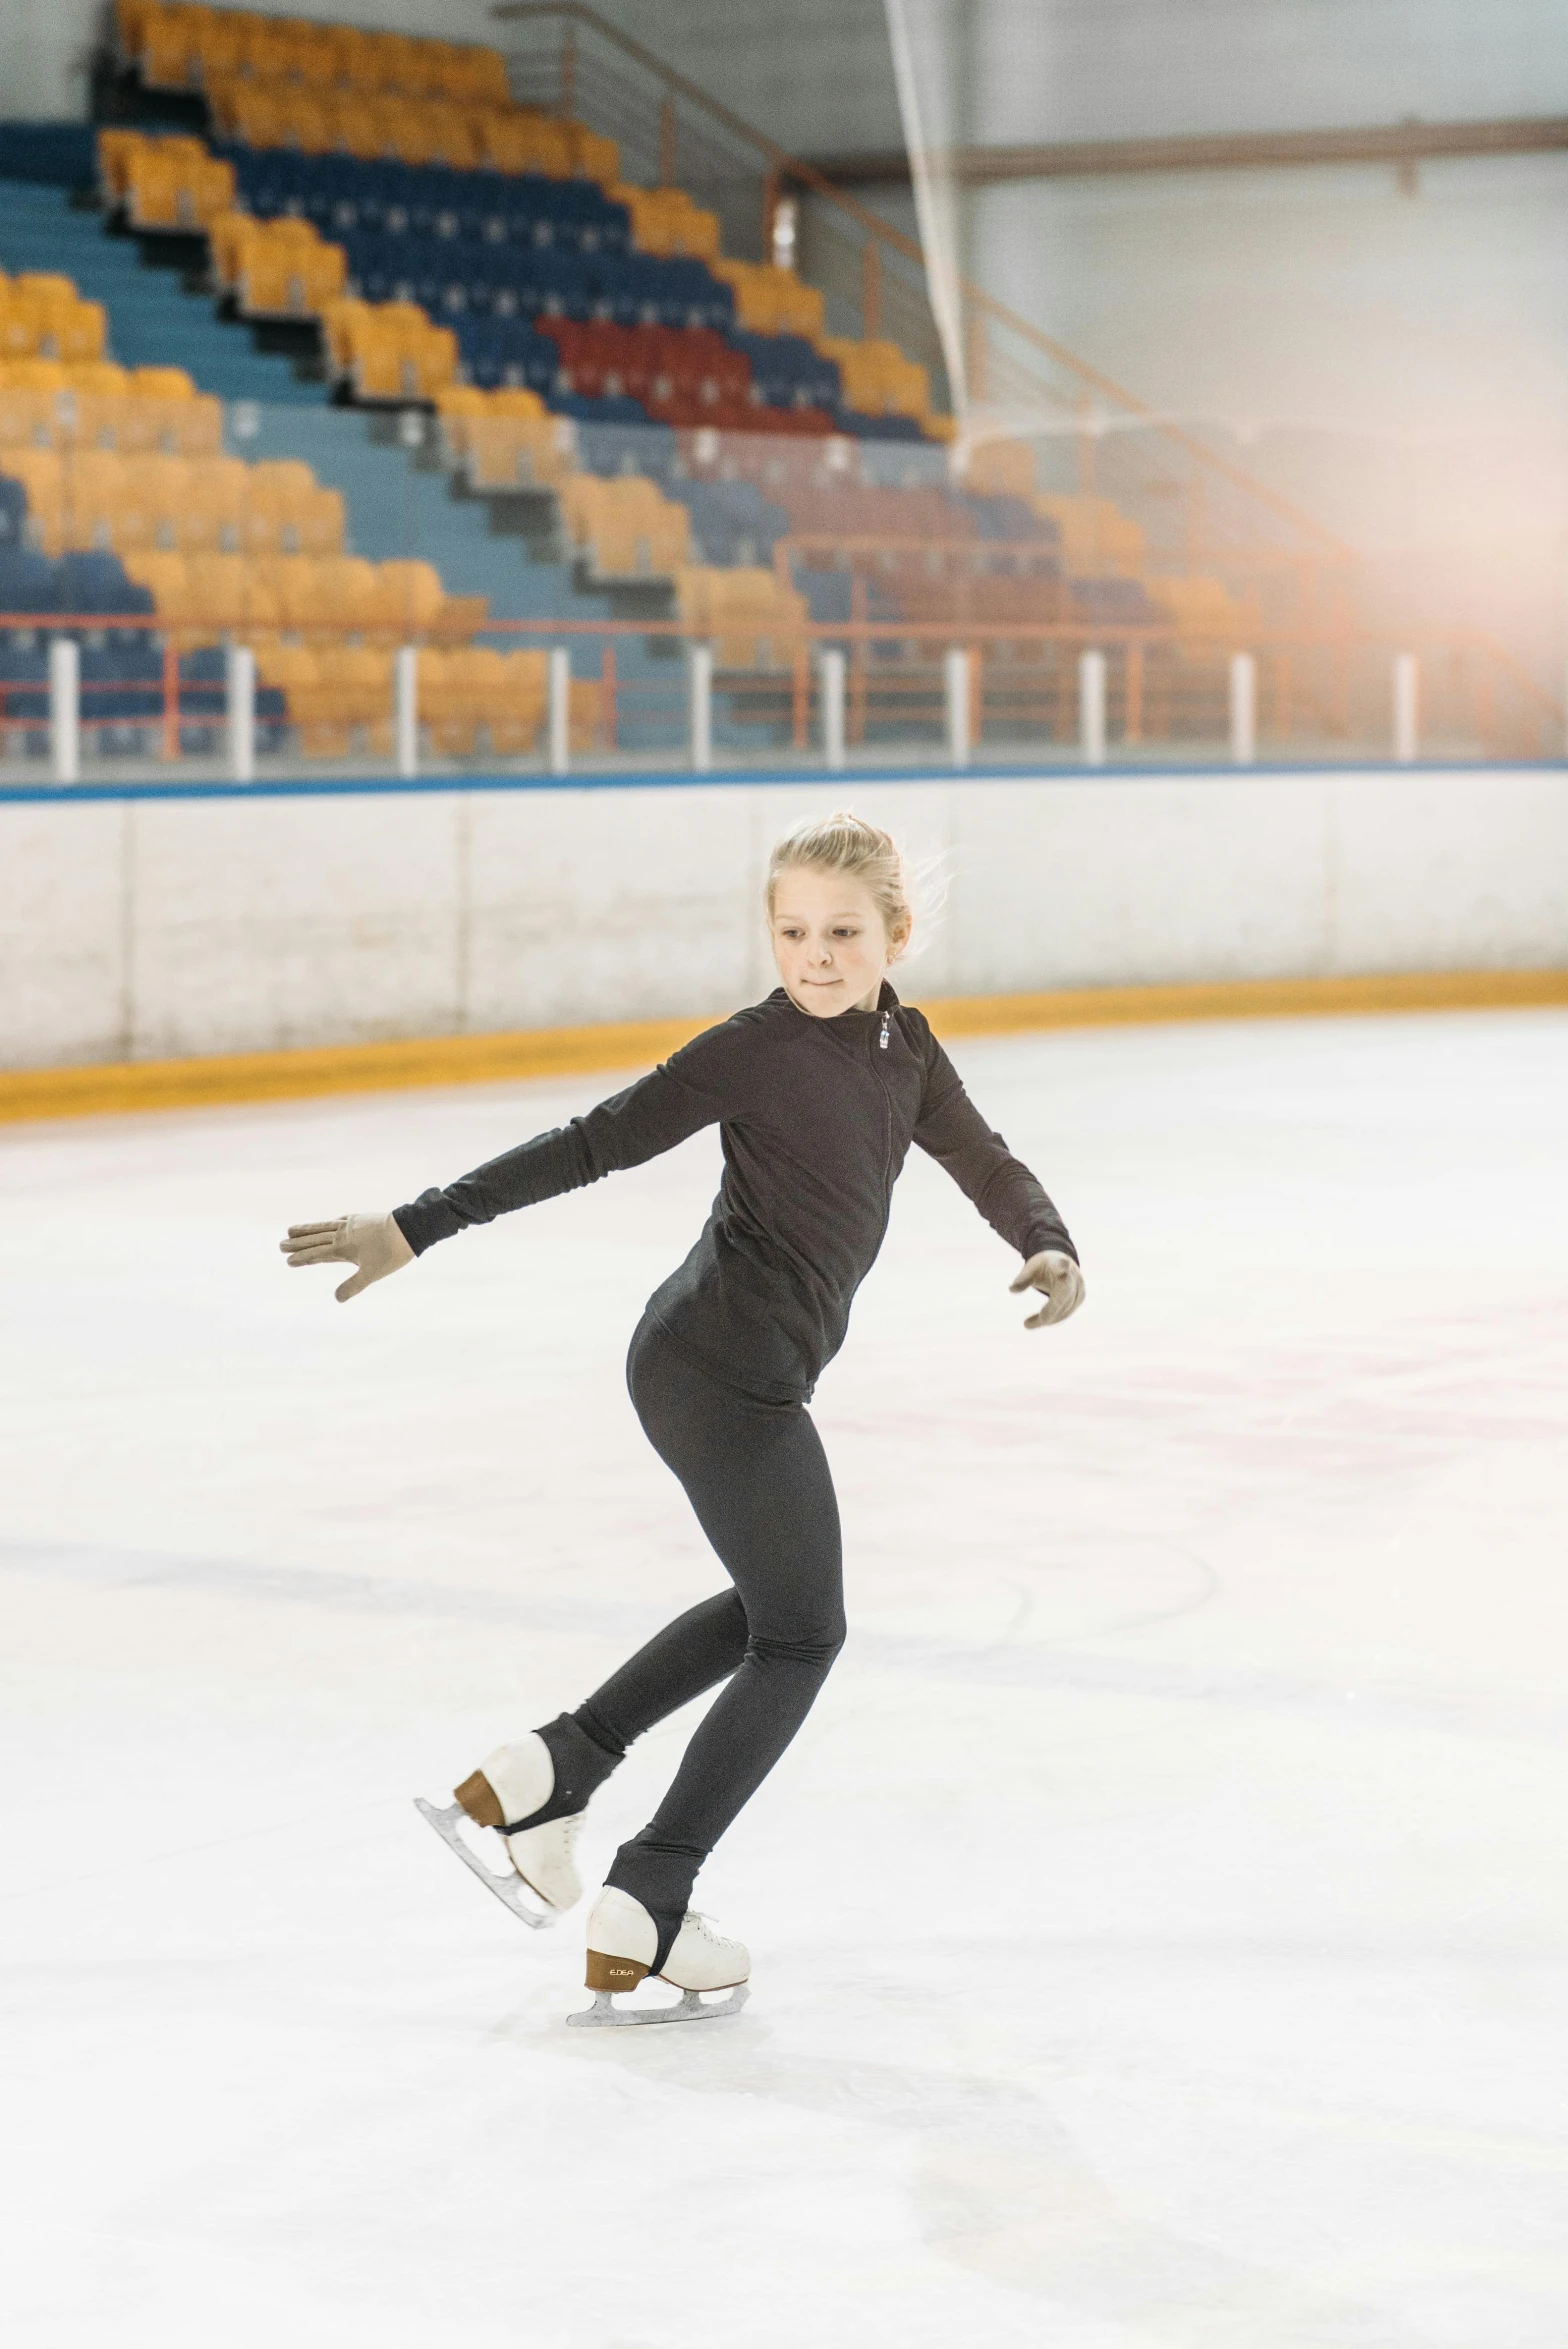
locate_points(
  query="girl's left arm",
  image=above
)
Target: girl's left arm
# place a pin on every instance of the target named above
(1012, 1199)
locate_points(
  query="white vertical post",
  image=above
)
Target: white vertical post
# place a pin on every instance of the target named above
(1091, 708)
(831, 677)
(405, 711)
(65, 708)
(241, 677)
(1407, 703)
(700, 670)
(558, 675)
(955, 673)
(1243, 709)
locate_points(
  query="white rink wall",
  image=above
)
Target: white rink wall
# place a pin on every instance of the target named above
(170, 926)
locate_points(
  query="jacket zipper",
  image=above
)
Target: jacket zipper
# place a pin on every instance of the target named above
(887, 1111)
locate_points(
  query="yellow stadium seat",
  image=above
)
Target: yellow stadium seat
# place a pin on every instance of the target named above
(592, 155)
(388, 350)
(665, 220)
(164, 575)
(306, 118)
(115, 150)
(42, 315)
(169, 48)
(1201, 607)
(275, 268)
(751, 619)
(625, 528)
(229, 595)
(217, 499)
(454, 135)
(504, 439)
(292, 670)
(288, 512)
(405, 602)
(130, 23)
(524, 140)
(339, 697)
(470, 77)
(221, 42)
(358, 68)
(770, 300)
(166, 412)
(30, 391)
(1099, 541)
(267, 48)
(1001, 468)
(174, 184)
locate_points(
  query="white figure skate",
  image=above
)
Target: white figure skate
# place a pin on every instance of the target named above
(623, 1941)
(513, 1783)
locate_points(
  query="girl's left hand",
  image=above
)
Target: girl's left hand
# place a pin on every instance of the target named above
(1059, 1281)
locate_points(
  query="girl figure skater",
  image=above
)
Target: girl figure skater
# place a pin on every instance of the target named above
(817, 1093)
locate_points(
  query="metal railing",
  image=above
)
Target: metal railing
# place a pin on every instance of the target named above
(624, 696)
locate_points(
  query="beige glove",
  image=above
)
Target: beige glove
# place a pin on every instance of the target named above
(373, 1242)
(1059, 1281)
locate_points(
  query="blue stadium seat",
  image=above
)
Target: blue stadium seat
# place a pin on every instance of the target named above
(13, 512)
(97, 583)
(1002, 517)
(731, 521)
(788, 371)
(1124, 602)
(607, 411)
(630, 445)
(500, 351)
(26, 582)
(828, 596)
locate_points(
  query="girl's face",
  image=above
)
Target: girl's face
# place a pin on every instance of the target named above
(829, 942)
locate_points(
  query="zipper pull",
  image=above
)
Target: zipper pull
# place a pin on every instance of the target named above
(887, 1018)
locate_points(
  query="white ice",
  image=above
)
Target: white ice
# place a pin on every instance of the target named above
(1158, 1929)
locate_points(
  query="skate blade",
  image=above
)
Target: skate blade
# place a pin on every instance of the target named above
(605, 2015)
(508, 1889)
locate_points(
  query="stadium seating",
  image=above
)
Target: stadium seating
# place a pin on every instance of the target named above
(624, 529)
(1098, 539)
(93, 404)
(496, 251)
(684, 419)
(275, 268)
(388, 351)
(43, 316)
(502, 440)
(751, 619)
(168, 183)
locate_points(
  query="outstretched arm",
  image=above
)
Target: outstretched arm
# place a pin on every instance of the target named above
(1010, 1198)
(659, 1111)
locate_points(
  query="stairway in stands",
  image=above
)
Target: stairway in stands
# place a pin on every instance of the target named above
(395, 506)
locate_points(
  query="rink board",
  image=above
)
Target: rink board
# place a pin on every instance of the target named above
(166, 925)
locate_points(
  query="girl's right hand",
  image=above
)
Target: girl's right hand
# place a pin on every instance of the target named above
(372, 1242)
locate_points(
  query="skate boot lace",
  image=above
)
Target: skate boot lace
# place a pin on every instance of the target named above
(705, 1926)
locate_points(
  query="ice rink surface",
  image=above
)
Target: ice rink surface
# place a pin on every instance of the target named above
(1159, 1928)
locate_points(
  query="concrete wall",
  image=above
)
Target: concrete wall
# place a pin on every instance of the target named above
(154, 927)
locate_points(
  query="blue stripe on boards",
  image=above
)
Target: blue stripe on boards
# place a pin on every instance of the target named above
(846, 779)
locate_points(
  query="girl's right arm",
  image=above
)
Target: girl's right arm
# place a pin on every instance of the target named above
(693, 1089)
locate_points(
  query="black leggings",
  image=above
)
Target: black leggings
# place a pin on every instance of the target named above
(758, 1478)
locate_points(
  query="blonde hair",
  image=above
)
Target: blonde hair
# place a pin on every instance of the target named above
(845, 843)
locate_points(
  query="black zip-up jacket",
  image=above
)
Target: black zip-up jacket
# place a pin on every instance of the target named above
(815, 1117)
